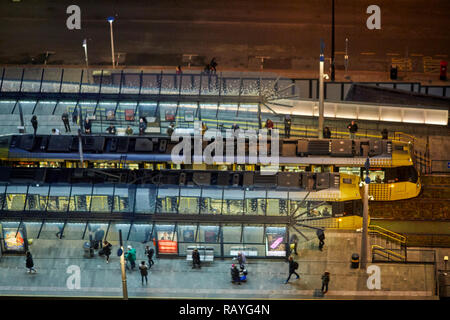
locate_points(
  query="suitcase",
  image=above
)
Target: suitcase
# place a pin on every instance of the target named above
(101, 253)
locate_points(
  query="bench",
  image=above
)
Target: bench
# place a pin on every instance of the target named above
(206, 253)
(248, 252)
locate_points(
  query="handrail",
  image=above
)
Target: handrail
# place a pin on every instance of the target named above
(398, 135)
(385, 232)
(380, 250)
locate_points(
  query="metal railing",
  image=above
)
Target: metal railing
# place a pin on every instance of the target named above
(388, 254)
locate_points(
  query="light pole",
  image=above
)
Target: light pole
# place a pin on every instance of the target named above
(321, 93)
(346, 55)
(111, 20)
(365, 220)
(332, 41)
(122, 267)
(86, 57)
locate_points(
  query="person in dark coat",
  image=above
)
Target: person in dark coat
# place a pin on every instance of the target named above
(325, 281)
(65, 120)
(29, 263)
(34, 123)
(111, 129)
(149, 253)
(384, 134)
(144, 272)
(235, 277)
(87, 126)
(293, 265)
(107, 250)
(326, 133)
(287, 126)
(352, 128)
(142, 126)
(321, 237)
(196, 259)
(241, 259)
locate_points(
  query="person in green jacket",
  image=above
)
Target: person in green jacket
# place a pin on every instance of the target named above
(130, 256)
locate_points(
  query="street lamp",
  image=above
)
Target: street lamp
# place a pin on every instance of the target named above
(86, 57)
(111, 20)
(321, 90)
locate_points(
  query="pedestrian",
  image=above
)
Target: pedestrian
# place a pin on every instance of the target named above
(207, 69)
(269, 124)
(171, 129)
(144, 272)
(235, 276)
(29, 263)
(352, 128)
(142, 126)
(34, 123)
(98, 238)
(65, 120)
(56, 132)
(293, 265)
(235, 127)
(384, 134)
(326, 133)
(325, 281)
(213, 65)
(59, 234)
(287, 126)
(107, 248)
(204, 128)
(179, 71)
(294, 243)
(241, 259)
(75, 115)
(321, 237)
(196, 259)
(149, 253)
(87, 126)
(131, 257)
(111, 129)
(129, 131)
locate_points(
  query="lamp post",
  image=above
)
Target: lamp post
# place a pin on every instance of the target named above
(332, 41)
(122, 267)
(365, 220)
(321, 93)
(86, 57)
(111, 20)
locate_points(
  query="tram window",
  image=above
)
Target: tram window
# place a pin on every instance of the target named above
(350, 170)
(376, 176)
(347, 180)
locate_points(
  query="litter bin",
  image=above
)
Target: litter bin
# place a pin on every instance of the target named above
(88, 251)
(355, 261)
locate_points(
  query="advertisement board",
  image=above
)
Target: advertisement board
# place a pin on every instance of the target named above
(14, 241)
(167, 242)
(275, 244)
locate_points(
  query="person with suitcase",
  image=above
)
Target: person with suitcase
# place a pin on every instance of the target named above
(293, 265)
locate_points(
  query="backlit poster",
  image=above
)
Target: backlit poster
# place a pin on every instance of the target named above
(14, 241)
(275, 243)
(167, 242)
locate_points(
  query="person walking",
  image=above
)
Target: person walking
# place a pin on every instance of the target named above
(326, 133)
(131, 256)
(293, 265)
(178, 69)
(149, 253)
(325, 281)
(384, 134)
(321, 237)
(65, 120)
(29, 263)
(144, 272)
(34, 123)
(241, 259)
(213, 65)
(287, 126)
(107, 248)
(235, 276)
(171, 129)
(142, 126)
(269, 125)
(352, 128)
(87, 126)
(196, 259)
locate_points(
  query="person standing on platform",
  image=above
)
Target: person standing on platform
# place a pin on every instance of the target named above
(326, 133)
(321, 237)
(384, 134)
(107, 250)
(29, 263)
(131, 256)
(65, 120)
(87, 126)
(293, 265)
(352, 128)
(269, 125)
(34, 123)
(235, 276)
(142, 126)
(287, 126)
(75, 116)
(149, 253)
(144, 272)
(179, 71)
(325, 281)
(196, 259)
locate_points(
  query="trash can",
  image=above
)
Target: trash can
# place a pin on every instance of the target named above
(355, 261)
(88, 251)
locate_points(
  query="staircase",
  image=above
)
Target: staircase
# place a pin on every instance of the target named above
(387, 246)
